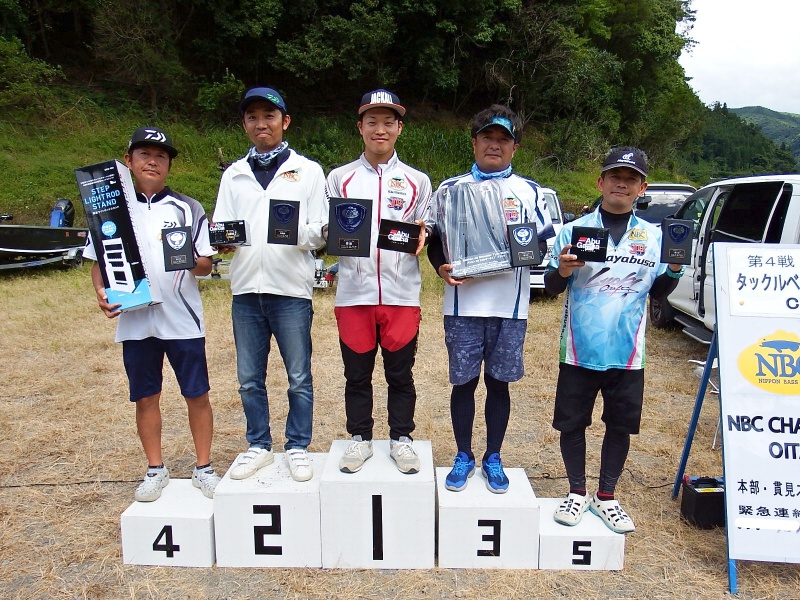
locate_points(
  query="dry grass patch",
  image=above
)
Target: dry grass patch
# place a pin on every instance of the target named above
(70, 458)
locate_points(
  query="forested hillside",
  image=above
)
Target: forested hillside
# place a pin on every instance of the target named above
(584, 74)
(781, 128)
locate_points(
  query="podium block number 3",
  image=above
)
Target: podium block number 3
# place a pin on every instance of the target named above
(164, 542)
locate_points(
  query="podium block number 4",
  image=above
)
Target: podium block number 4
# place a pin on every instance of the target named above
(167, 546)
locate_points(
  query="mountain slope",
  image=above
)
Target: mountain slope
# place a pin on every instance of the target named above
(782, 128)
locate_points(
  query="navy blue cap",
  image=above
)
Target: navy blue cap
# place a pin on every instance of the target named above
(262, 93)
(633, 158)
(381, 99)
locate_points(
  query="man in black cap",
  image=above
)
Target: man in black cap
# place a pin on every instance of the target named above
(377, 299)
(602, 334)
(175, 326)
(272, 283)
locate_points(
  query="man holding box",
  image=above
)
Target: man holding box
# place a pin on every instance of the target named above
(174, 327)
(272, 283)
(377, 299)
(603, 334)
(485, 318)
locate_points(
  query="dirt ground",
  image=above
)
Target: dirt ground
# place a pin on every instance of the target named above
(70, 459)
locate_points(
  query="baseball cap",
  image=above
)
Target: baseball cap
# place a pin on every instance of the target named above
(632, 158)
(381, 98)
(152, 136)
(498, 121)
(262, 93)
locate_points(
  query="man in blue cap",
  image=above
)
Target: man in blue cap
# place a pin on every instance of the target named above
(272, 283)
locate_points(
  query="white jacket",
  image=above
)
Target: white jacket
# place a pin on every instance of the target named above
(399, 193)
(263, 268)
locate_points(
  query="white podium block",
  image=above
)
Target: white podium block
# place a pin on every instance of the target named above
(480, 529)
(378, 517)
(176, 530)
(588, 546)
(269, 519)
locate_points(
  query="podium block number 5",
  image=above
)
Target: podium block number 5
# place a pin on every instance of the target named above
(582, 553)
(167, 546)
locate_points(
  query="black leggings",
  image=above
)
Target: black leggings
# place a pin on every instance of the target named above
(612, 458)
(497, 411)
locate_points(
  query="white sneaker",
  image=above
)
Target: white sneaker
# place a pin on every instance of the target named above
(149, 490)
(250, 462)
(404, 455)
(356, 455)
(612, 515)
(205, 480)
(299, 464)
(570, 511)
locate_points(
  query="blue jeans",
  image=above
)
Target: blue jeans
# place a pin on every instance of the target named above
(256, 318)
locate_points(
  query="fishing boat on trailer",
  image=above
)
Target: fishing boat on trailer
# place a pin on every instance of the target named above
(23, 246)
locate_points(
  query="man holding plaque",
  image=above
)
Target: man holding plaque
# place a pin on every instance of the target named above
(377, 298)
(603, 333)
(175, 326)
(272, 282)
(485, 318)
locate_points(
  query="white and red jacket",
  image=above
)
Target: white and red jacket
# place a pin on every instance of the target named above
(399, 193)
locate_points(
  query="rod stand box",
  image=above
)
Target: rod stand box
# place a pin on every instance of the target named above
(109, 200)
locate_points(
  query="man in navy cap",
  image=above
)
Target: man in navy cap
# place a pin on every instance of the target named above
(175, 326)
(272, 283)
(377, 300)
(602, 334)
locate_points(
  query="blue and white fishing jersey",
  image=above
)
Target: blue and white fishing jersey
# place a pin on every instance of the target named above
(504, 294)
(605, 306)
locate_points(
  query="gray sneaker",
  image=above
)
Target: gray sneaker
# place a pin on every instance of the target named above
(149, 490)
(205, 480)
(357, 453)
(404, 455)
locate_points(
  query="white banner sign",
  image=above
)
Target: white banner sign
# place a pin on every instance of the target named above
(758, 334)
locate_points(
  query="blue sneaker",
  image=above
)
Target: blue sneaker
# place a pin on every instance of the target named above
(492, 469)
(463, 469)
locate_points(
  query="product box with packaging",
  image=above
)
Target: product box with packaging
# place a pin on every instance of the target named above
(107, 195)
(229, 233)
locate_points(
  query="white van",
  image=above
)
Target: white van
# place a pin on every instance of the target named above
(763, 209)
(559, 217)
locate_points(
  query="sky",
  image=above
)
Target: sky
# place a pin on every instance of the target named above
(747, 53)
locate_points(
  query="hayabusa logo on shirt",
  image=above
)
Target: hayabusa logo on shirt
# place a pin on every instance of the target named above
(176, 239)
(523, 235)
(283, 212)
(350, 216)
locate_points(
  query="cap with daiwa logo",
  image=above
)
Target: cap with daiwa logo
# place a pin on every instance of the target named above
(265, 94)
(152, 136)
(627, 156)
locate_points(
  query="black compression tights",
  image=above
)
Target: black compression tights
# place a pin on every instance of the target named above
(612, 458)
(497, 412)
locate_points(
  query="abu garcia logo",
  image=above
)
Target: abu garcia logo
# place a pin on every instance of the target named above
(773, 363)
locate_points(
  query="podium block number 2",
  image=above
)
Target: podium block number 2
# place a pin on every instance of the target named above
(164, 542)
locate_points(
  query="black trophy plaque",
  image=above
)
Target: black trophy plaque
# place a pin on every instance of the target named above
(284, 217)
(524, 245)
(676, 241)
(349, 227)
(228, 233)
(400, 236)
(178, 248)
(590, 243)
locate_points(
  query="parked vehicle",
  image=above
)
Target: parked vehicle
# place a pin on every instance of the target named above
(559, 217)
(762, 209)
(662, 200)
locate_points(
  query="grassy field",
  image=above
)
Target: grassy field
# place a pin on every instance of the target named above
(70, 459)
(37, 162)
